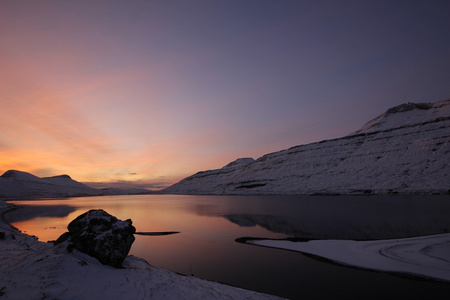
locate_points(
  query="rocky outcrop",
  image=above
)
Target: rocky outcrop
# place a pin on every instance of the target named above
(405, 150)
(100, 235)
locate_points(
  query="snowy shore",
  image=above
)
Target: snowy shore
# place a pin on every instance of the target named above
(425, 256)
(30, 269)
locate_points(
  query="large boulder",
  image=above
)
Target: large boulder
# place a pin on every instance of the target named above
(100, 235)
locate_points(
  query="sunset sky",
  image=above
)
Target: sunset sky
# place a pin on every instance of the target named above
(149, 92)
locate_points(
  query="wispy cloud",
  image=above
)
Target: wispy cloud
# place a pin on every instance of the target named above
(38, 113)
(38, 125)
(124, 184)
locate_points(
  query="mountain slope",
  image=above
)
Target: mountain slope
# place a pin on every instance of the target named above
(17, 184)
(406, 149)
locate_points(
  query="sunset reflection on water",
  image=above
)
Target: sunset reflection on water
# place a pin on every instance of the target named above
(205, 237)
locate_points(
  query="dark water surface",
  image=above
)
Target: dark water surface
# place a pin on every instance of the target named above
(209, 225)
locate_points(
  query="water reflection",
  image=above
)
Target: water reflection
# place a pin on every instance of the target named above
(30, 212)
(319, 217)
(355, 218)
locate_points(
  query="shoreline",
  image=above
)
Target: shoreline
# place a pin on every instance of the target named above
(423, 257)
(331, 193)
(30, 269)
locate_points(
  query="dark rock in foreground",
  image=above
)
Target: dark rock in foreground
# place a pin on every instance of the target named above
(100, 235)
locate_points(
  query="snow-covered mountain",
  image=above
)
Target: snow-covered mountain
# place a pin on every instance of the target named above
(16, 184)
(406, 149)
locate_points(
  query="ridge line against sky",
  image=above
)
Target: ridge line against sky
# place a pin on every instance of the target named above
(149, 92)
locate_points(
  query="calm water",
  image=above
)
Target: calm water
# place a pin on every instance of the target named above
(209, 225)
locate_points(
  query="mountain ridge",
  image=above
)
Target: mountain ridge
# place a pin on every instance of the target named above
(16, 184)
(410, 115)
(404, 150)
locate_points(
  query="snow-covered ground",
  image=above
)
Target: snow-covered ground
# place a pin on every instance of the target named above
(30, 269)
(405, 150)
(426, 256)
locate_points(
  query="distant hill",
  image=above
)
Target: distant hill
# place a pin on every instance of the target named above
(406, 150)
(21, 185)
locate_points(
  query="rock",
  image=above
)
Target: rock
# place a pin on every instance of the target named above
(100, 235)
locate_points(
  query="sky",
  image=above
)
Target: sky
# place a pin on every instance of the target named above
(145, 93)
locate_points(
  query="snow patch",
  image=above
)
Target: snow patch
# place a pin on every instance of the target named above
(427, 256)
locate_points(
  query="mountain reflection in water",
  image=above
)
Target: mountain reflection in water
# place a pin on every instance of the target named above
(30, 212)
(353, 219)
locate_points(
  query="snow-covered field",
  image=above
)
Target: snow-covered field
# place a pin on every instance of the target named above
(30, 269)
(426, 256)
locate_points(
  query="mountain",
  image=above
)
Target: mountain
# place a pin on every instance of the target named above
(406, 150)
(16, 185)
